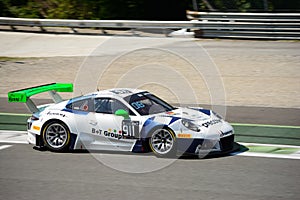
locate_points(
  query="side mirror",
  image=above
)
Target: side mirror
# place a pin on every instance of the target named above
(122, 113)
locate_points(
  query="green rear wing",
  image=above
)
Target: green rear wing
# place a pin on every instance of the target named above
(24, 95)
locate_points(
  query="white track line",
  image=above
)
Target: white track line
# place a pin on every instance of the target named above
(269, 145)
(13, 137)
(13, 142)
(5, 146)
(267, 155)
(12, 132)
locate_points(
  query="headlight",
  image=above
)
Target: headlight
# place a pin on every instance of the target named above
(190, 125)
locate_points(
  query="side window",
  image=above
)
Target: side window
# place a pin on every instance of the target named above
(103, 105)
(109, 106)
(82, 105)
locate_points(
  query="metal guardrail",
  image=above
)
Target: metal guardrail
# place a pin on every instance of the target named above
(102, 24)
(192, 15)
(95, 23)
(248, 25)
(13, 121)
(206, 25)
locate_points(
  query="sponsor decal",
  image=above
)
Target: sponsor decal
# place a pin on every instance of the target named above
(170, 113)
(130, 130)
(121, 91)
(211, 122)
(15, 99)
(226, 133)
(184, 135)
(56, 114)
(109, 133)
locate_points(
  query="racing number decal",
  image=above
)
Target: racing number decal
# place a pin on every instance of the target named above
(130, 129)
(137, 105)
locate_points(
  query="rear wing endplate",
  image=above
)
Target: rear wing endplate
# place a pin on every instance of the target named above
(24, 95)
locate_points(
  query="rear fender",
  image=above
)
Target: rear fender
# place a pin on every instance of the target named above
(39, 139)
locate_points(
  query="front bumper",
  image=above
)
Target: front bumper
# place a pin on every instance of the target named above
(196, 146)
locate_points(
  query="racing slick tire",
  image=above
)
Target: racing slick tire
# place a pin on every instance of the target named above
(163, 143)
(56, 136)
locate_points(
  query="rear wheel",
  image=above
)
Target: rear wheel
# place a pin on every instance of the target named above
(162, 143)
(56, 136)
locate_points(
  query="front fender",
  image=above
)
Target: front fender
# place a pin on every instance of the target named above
(149, 126)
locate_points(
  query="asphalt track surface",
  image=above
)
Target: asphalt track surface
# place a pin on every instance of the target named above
(30, 174)
(26, 173)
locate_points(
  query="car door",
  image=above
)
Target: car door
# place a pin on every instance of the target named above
(83, 114)
(83, 122)
(110, 127)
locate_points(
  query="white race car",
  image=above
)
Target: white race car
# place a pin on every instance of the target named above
(122, 120)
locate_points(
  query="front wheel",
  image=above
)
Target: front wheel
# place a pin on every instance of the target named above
(162, 143)
(56, 136)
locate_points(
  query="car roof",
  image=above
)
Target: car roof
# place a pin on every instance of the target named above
(116, 92)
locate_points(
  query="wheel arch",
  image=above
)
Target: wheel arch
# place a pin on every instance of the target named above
(150, 126)
(53, 120)
(73, 136)
(173, 150)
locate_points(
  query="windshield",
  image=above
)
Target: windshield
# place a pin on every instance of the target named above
(145, 103)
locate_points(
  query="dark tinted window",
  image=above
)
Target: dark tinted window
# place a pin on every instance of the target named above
(145, 103)
(109, 106)
(82, 105)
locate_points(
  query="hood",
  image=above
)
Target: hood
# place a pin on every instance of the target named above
(189, 113)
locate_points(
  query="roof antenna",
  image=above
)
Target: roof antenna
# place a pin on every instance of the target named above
(97, 89)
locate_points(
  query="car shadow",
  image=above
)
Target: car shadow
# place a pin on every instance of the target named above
(237, 149)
